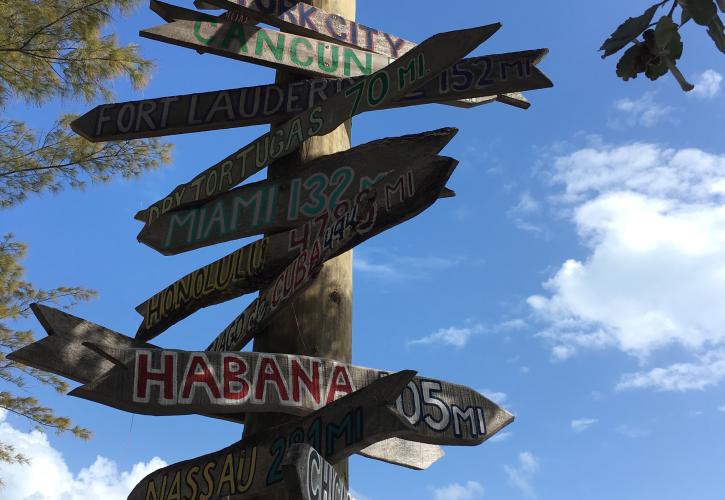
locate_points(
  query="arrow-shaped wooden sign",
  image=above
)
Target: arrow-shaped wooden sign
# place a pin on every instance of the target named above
(257, 264)
(392, 82)
(341, 235)
(308, 476)
(274, 206)
(254, 465)
(469, 78)
(172, 382)
(64, 352)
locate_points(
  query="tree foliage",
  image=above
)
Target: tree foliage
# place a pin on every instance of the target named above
(660, 46)
(16, 296)
(55, 49)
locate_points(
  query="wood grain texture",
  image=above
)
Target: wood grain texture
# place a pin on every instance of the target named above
(173, 382)
(471, 78)
(63, 353)
(308, 476)
(253, 466)
(255, 265)
(390, 204)
(273, 206)
(392, 82)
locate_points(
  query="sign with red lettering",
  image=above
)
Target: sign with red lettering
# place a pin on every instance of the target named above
(340, 235)
(258, 265)
(173, 382)
(254, 465)
(308, 476)
(392, 82)
(65, 352)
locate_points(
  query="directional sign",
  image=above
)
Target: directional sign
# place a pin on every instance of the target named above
(254, 465)
(346, 232)
(65, 353)
(273, 206)
(308, 476)
(303, 19)
(392, 82)
(469, 78)
(172, 382)
(257, 264)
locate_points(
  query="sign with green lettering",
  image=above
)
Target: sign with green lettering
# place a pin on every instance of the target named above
(255, 265)
(392, 82)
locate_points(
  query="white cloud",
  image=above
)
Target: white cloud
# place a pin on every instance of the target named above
(497, 397)
(521, 476)
(632, 431)
(472, 489)
(520, 214)
(47, 477)
(721, 408)
(645, 111)
(512, 324)
(383, 265)
(500, 437)
(358, 496)
(707, 84)
(708, 371)
(582, 424)
(652, 220)
(453, 336)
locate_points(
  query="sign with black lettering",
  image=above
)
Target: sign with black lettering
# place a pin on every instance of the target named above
(379, 207)
(76, 349)
(476, 77)
(254, 465)
(172, 382)
(392, 82)
(308, 476)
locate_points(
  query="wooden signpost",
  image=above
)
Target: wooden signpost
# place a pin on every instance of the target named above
(172, 382)
(279, 205)
(469, 78)
(392, 82)
(78, 349)
(310, 212)
(343, 234)
(308, 476)
(253, 466)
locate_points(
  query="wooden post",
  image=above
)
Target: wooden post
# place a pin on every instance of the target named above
(319, 322)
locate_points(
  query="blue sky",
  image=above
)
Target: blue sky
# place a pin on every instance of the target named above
(577, 277)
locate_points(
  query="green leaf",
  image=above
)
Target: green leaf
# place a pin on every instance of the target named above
(721, 4)
(702, 11)
(628, 31)
(685, 15)
(632, 62)
(716, 30)
(667, 39)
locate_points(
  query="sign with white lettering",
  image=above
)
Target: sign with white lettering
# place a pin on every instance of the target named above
(254, 465)
(65, 352)
(392, 82)
(374, 210)
(172, 382)
(467, 79)
(308, 476)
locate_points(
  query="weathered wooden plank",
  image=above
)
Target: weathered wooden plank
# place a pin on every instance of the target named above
(303, 19)
(346, 232)
(274, 206)
(172, 382)
(63, 352)
(249, 43)
(392, 82)
(253, 466)
(255, 265)
(469, 78)
(308, 476)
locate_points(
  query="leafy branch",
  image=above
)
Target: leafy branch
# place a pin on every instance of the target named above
(660, 46)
